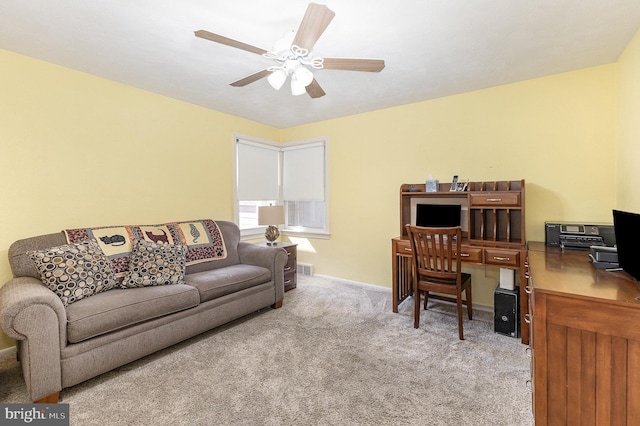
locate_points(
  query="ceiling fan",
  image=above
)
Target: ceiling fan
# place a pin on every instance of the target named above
(293, 57)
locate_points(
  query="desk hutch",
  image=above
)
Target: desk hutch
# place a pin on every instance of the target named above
(493, 231)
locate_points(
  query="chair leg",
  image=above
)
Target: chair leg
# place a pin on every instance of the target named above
(469, 303)
(416, 308)
(426, 299)
(460, 334)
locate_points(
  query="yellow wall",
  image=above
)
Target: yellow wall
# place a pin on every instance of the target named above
(115, 154)
(628, 126)
(77, 150)
(557, 133)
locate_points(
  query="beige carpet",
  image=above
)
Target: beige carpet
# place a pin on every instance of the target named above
(334, 354)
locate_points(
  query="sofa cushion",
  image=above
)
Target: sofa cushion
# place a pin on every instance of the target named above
(220, 282)
(74, 271)
(119, 308)
(155, 264)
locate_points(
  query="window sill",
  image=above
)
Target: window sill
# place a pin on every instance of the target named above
(318, 235)
(246, 236)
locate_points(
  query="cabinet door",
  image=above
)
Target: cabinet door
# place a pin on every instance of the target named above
(586, 361)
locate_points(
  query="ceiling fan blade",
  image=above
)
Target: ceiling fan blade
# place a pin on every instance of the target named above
(316, 19)
(229, 42)
(251, 78)
(351, 64)
(314, 90)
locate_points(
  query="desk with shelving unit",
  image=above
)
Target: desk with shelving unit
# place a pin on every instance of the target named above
(493, 231)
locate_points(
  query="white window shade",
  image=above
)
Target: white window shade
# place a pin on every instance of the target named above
(257, 171)
(304, 173)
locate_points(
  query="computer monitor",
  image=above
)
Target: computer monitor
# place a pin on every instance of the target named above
(438, 215)
(626, 226)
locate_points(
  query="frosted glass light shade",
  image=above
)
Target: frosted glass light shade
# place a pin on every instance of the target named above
(297, 88)
(277, 79)
(303, 75)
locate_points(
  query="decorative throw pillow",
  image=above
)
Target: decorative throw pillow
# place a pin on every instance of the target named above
(155, 264)
(74, 271)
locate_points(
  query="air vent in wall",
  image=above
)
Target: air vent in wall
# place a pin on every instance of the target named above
(305, 269)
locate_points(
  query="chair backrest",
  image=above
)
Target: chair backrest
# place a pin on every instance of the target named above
(435, 252)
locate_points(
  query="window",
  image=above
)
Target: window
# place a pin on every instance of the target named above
(292, 174)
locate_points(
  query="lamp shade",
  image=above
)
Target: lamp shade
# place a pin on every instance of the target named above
(303, 75)
(297, 88)
(277, 78)
(270, 215)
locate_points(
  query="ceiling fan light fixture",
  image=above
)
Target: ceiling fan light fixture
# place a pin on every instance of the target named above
(297, 88)
(277, 78)
(303, 75)
(293, 55)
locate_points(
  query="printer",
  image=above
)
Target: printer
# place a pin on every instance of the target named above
(578, 235)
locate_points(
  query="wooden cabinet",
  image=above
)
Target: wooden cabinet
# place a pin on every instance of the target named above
(493, 231)
(585, 341)
(291, 268)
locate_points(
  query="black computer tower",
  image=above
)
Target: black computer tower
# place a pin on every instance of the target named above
(506, 312)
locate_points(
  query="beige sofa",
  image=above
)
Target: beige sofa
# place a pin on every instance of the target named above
(60, 346)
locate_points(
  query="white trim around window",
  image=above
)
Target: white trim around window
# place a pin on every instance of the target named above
(302, 184)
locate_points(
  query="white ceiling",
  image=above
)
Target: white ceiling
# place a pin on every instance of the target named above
(432, 48)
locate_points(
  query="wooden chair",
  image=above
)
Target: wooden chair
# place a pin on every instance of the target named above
(437, 268)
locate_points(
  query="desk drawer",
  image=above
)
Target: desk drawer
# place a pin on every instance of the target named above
(502, 257)
(470, 254)
(290, 280)
(291, 265)
(403, 247)
(499, 199)
(290, 269)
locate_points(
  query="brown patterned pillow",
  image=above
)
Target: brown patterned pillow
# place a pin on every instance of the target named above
(74, 271)
(155, 264)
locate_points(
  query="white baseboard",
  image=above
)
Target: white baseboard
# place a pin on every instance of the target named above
(358, 283)
(374, 287)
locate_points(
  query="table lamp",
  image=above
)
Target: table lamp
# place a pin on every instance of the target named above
(272, 216)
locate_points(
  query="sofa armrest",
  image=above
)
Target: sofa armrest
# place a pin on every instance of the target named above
(272, 258)
(35, 316)
(21, 293)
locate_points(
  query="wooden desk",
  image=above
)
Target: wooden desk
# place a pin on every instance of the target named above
(493, 223)
(585, 340)
(472, 253)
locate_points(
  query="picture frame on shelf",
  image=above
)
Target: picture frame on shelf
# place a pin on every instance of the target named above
(459, 186)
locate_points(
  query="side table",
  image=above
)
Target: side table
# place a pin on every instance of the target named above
(291, 268)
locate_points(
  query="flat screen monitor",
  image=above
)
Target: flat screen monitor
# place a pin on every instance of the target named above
(626, 226)
(438, 215)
